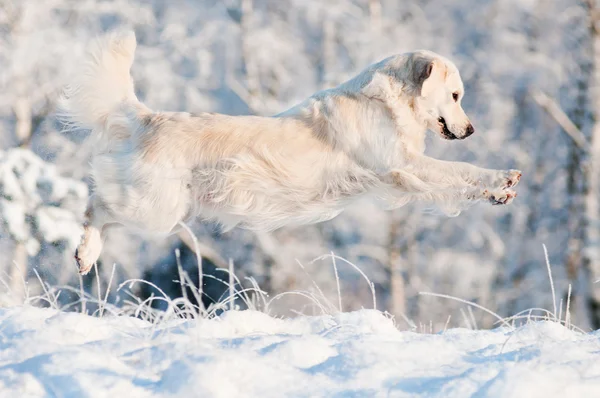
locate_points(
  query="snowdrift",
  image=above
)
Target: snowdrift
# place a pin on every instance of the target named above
(49, 353)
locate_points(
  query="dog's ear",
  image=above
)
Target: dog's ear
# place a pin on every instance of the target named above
(427, 74)
(421, 70)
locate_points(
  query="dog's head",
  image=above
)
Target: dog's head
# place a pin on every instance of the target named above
(438, 94)
(435, 87)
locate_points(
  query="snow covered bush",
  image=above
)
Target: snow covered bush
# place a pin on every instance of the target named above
(37, 204)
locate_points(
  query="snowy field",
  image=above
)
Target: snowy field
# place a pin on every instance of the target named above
(48, 353)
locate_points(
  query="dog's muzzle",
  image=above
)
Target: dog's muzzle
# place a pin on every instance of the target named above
(445, 132)
(449, 135)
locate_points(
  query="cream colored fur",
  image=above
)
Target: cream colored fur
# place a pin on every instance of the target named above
(152, 170)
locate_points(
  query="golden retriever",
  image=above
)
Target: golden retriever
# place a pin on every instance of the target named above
(152, 170)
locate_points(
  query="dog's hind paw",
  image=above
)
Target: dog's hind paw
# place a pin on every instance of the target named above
(88, 251)
(84, 267)
(500, 197)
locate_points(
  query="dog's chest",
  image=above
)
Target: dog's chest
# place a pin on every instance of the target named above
(412, 142)
(409, 130)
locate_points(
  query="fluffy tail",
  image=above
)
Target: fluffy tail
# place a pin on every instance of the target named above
(102, 85)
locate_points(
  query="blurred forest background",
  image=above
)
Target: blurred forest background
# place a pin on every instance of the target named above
(532, 75)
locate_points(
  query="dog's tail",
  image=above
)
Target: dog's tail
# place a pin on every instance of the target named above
(103, 86)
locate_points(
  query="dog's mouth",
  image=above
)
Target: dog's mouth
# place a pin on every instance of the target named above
(447, 134)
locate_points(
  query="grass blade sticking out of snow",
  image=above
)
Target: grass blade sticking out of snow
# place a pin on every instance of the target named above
(371, 285)
(568, 309)
(315, 284)
(472, 317)
(560, 308)
(409, 321)
(446, 296)
(337, 281)
(51, 298)
(197, 293)
(180, 271)
(82, 293)
(131, 282)
(98, 282)
(242, 294)
(551, 280)
(260, 294)
(103, 304)
(308, 295)
(553, 316)
(198, 261)
(231, 286)
(528, 310)
(550, 315)
(466, 319)
(223, 301)
(233, 279)
(447, 323)
(531, 317)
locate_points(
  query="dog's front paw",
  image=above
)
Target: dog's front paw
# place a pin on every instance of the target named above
(500, 196)
(504, 179)
(512, 178)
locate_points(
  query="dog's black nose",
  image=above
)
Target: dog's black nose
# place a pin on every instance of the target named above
(469, 131)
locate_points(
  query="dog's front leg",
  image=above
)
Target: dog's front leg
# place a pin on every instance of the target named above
(447, 173)
(426, 178)
(432, 187)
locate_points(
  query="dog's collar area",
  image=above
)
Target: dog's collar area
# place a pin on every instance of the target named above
(445, 132)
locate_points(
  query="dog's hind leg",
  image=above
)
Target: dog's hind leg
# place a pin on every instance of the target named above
(98, 221)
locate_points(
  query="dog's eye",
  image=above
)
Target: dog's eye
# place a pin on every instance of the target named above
(455, 97)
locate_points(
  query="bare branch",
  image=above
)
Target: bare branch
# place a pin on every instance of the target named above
(553, 109)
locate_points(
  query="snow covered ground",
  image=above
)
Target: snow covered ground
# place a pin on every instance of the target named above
(48, 353)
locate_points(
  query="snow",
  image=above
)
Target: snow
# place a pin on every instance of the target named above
(45, 352)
